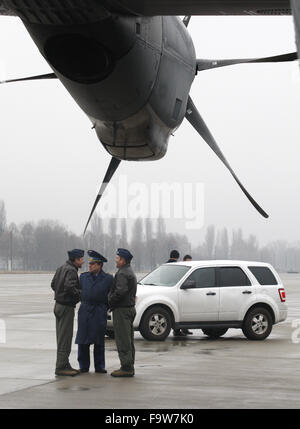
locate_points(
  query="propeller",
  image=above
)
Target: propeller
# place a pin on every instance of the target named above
(114, 164)
(213, 64)
(194, 117)
(23, 79)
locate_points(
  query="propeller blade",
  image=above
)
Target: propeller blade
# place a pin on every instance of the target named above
(186, 20)
(194, 117)
(213, 64)
(23, 79)
(114, 164)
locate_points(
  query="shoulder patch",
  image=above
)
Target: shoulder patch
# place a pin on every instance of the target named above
(84, 274)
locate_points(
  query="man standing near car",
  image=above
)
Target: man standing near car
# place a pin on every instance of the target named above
(187, 258)
(174, 257)
(121, 301)
(92, 314)
(65, 284)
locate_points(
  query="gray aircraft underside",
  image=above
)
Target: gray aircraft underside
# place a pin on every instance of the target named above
(130, 64)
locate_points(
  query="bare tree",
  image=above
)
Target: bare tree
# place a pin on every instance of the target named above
(252, 248)
(111, 243)
(237, 245)
(209, 243)
(224, 244)
(44, 246)
(97, 226)
(150, 260)
(162, 250)
(96, 237)
(124, 239)
(137, 244)
(28, 246)
(50, 245)
(2, 217)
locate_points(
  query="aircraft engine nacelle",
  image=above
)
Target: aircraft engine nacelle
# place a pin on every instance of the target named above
(142, 136)
(106, 66)
(130, 75)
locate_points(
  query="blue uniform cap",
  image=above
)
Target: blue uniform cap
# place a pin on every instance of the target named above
(96, 257)
(124, 253)
(75, 253)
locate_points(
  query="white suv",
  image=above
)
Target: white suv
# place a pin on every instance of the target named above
(212, 296)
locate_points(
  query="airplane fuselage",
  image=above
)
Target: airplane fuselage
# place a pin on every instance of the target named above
(130, 75)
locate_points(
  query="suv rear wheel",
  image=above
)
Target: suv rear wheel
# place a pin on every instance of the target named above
(257, 324)
(156, 324)
(214, 333)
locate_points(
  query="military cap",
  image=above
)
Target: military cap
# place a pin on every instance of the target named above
(75, 253)
(96, 257)
(124, 253)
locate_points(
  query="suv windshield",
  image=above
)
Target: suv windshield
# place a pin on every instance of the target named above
(165, 275)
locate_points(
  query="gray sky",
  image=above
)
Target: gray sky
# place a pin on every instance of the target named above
(52, 164)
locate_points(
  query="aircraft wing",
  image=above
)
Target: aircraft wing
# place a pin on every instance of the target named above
(204, 7)
(156, 7)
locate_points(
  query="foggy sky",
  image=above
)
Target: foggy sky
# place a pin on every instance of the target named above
(51, 163)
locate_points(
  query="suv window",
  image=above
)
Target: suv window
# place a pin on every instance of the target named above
(233, 276)
(264, 275)
(165, 275)
(204, 277)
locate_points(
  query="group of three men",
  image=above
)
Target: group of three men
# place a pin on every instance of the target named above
(98, 292)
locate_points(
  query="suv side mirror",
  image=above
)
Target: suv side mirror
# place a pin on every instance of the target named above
(188, 284)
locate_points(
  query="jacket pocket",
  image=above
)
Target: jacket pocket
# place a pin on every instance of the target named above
(59, 310)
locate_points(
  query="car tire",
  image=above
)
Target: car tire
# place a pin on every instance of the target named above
(214, 333)
(257, 324)
(156, 324)
(110, 334)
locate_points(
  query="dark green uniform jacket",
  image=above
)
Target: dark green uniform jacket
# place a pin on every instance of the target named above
(123, 291)
(65, 284)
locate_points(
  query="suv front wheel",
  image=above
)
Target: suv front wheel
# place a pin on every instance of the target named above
(257, 324)
(156, 324)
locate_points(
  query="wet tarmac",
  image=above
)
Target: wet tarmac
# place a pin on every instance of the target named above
(192, 372)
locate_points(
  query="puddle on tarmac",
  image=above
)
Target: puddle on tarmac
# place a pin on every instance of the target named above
(210, 351)
(204, 352)
(146, 366)
(74, 388)
(167, 346)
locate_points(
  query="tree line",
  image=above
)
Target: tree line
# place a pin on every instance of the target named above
(43, 246)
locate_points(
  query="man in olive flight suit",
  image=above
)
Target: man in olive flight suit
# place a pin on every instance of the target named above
(65, 284)
(121, 301)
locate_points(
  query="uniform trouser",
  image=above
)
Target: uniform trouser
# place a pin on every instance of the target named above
(84, 356)
(124, 335)
(64, 333)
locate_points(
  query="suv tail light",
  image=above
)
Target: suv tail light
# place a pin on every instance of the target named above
(282, 295)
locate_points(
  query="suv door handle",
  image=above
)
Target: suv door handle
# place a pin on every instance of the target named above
(210, 293)
(247, 292)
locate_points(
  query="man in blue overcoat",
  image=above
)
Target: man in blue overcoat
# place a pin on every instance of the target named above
(92, 314)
